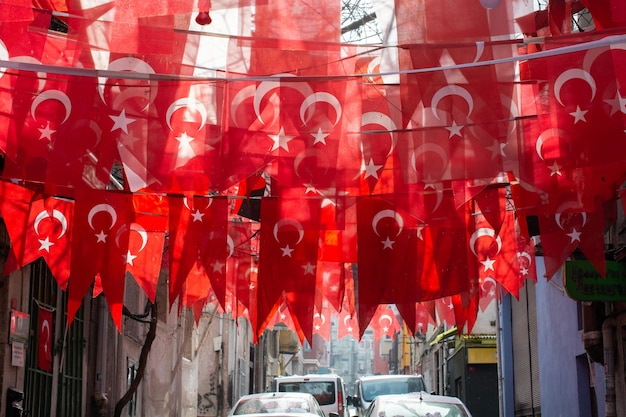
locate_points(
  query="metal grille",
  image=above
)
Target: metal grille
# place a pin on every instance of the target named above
(42, 396)
(38, 383)
(71, 367)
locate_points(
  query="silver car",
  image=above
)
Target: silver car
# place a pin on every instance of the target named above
(419, 404)
(277, 404)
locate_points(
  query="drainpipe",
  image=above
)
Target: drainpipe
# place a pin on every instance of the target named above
(608, 341)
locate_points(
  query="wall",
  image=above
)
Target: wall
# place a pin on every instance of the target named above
(559, 345)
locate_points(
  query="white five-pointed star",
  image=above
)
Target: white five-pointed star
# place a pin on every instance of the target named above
(524, 271)
(130, 258)
(101, 237)
(45, 244)
(371, 169)
(579, 115)
(555, 169)
(455, 130)
(197, 216)
(574, 235)
(309, 268)
(497, 149)
(184, 146)
(429, 182)
(387, 243)
(281, 140)
(218, 266)
(488, 264)
(121, 121)
(320, 137)
(46, 132)
(287, 251)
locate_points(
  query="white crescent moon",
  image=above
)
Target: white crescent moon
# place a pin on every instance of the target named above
(449, 90)
(90, 124)
(55, 214)
(45, 327)
(509, 104)
(592, 54)
(310, 153)
(570, 74)
(547, 134)
(188, 102)
(242, 95)
(435, 149)
(250, 271)
(484, 231)
(134, 227)
(128, 64)
(480, 48)
(525, 255)
(58, 95)
(391, 214)
(346, 318)
(186, 203)
(231, 246)
(267, 86)
(289, 222)
(373, 66)
(385, 317)
(4, 56)
(99, 208)
(378, 118)
(321, 317)
(30, 60)
(565, 206)
(488, 279)
(320, 97)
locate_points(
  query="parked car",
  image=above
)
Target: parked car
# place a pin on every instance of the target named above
(367, 388)
(419, 404)
(277, 404)
(328, 390)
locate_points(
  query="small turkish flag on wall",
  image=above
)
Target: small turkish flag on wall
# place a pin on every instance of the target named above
(44, 339)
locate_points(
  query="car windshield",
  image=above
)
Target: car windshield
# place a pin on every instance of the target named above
(419, 408)
(323, 391)
(375, 387)
(272, 405)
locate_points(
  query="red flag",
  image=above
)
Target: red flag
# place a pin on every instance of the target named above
(384, 322)
(101, 217)
(39, 227)
(570, 228)
(287, 263)
(322, 322)
(45, 338)
(386, 246)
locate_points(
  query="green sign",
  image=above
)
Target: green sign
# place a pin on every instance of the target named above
(584, 283)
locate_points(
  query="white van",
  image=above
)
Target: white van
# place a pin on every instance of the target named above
(367, 388)
(328, 390)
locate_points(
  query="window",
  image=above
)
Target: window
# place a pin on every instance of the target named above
(131, 374)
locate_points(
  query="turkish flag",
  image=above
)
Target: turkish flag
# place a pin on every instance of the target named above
(287, 264)
(45, 338)
(387, 242)
(330, 284)
(384, 322)
(570, 228)
(322, 321)
(39, 227)
(101, 219)
(146, 240)
(185, 232)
